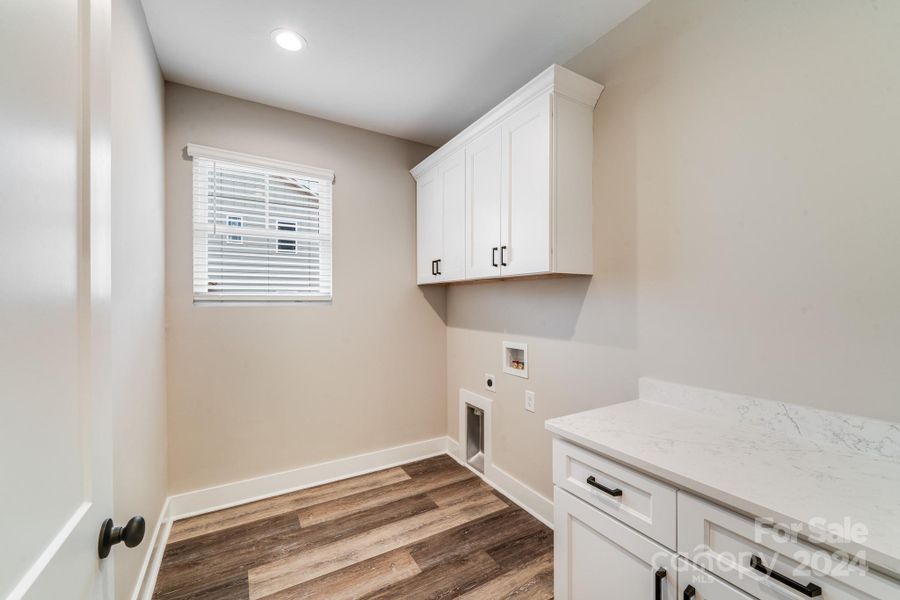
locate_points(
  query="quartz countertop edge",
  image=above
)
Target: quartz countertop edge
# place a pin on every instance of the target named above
(792, 481)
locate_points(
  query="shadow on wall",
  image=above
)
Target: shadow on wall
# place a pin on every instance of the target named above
(436, 296)
(547, 308)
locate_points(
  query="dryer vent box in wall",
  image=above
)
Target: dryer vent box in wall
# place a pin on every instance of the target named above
(475, 438)
(515, 359)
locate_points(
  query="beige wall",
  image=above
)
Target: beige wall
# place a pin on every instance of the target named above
(257, 389)
(138, 284)
(746, 219)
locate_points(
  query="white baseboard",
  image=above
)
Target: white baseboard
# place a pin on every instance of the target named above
(227, 495)
(143, 590)
(189, 504)
(530, 501)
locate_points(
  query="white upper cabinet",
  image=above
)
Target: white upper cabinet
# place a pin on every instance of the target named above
(513, 190)
(483, 200)
(441, 221)
(429, 225)
(525, 208)
(452, 178)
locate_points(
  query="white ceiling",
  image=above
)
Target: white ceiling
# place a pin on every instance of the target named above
(416, 69)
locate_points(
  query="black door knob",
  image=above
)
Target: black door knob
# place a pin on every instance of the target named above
(131, 534)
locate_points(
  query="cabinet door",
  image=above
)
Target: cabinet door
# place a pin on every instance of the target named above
(697, 584)
(483, 193)
(429, 226)
(526, 189)
(452, 181)
(596, 556)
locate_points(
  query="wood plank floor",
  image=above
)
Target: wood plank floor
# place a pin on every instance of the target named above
(426, 530)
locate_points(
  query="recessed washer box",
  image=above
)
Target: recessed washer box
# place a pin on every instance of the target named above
(515, 359)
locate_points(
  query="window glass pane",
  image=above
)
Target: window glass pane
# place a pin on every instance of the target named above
(234, 221)
(287, 245)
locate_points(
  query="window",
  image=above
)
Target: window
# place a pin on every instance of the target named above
(286, 245)
(262, 228)
(234, 221)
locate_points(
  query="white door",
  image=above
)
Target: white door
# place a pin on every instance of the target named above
(483, 193)
(55, 441)
(596, 556)
(526, 190)
(429, 227)
(452, 177)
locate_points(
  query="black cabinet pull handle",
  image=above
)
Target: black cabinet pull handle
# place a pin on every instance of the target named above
(689, 592)
(659, 576)
(810, 589)
(503, 256)
(434, 267)
(438, 262)
(494, 257)
(612, 492)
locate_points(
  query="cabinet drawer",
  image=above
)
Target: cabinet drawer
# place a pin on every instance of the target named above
(639, 501)
(742, 553)
(696, 584)
(597, 557)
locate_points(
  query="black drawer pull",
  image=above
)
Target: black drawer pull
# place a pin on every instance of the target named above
(503, 256)
(689, 592)
(434, 267)
(612, 492)
(810, 589)
(494, 257)
(660, 576)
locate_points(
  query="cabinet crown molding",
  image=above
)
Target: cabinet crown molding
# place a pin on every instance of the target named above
(555, 79)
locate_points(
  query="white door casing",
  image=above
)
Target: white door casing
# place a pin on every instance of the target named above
(55, 440)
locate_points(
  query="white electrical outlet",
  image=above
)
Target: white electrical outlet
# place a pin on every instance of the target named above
(490, 382)
(529, 400)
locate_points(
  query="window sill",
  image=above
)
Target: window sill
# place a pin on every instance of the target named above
(224, 303)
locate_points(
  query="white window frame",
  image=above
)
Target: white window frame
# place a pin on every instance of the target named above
(324, 176)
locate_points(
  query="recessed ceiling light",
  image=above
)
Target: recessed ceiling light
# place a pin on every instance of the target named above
(289, 40)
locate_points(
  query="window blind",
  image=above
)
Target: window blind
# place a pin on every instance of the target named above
(262, 230)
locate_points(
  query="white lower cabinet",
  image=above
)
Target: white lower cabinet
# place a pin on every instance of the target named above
(613, 539)
(766, 563)
(641, 502)
(597, 557)
(697, 584)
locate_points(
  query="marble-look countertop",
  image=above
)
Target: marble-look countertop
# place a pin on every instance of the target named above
(767, 473)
